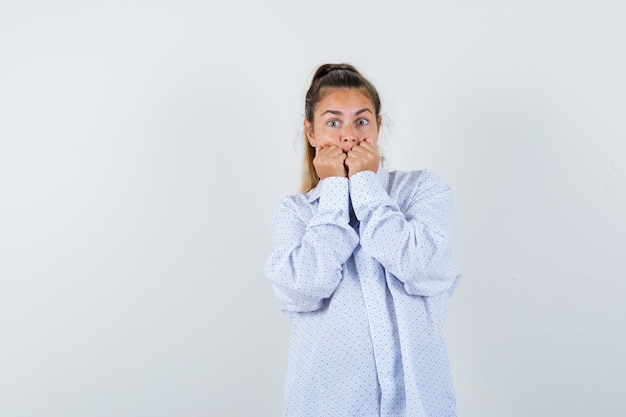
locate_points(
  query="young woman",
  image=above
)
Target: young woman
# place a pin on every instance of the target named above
(362, 265)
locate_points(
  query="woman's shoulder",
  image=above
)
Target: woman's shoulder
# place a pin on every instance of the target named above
(424, 178)
(294, 202)
(417, 185)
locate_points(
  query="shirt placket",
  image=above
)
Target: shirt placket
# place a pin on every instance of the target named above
(386, 350)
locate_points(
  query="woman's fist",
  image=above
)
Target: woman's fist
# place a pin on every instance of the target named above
(329, 162)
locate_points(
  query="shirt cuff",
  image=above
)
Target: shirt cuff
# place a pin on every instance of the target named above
(366, 190)
(334, 198)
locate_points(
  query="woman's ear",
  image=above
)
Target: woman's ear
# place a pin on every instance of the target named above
(308, 129)
(380, 122)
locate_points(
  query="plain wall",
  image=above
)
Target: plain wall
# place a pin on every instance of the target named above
(144, 146)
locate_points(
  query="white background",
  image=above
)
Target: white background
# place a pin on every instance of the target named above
(145, 144)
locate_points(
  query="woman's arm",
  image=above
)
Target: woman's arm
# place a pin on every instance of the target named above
(415, 245)
(306, 262)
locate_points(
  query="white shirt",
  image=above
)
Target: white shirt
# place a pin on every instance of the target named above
(367, 296)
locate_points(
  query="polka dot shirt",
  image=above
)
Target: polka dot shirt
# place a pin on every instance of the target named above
(363, 268)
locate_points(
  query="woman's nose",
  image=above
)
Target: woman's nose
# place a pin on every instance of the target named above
(348, 134)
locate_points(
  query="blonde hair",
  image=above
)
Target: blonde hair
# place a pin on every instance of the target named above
(329, 76)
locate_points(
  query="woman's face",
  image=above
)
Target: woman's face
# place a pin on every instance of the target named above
(344, 117)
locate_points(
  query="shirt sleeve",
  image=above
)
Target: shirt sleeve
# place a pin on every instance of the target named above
(415, 245)
(305, 265)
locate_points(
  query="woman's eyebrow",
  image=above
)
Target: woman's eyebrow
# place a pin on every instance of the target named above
(338, 113)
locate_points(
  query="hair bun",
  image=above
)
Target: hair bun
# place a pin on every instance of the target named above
(328, 68)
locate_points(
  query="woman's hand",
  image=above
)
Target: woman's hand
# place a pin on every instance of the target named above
(329, 162)
(363, 157)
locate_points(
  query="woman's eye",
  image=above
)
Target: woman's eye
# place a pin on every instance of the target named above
(333, 123)
(362, 122)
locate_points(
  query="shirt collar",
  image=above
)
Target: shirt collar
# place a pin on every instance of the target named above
(381, 174)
